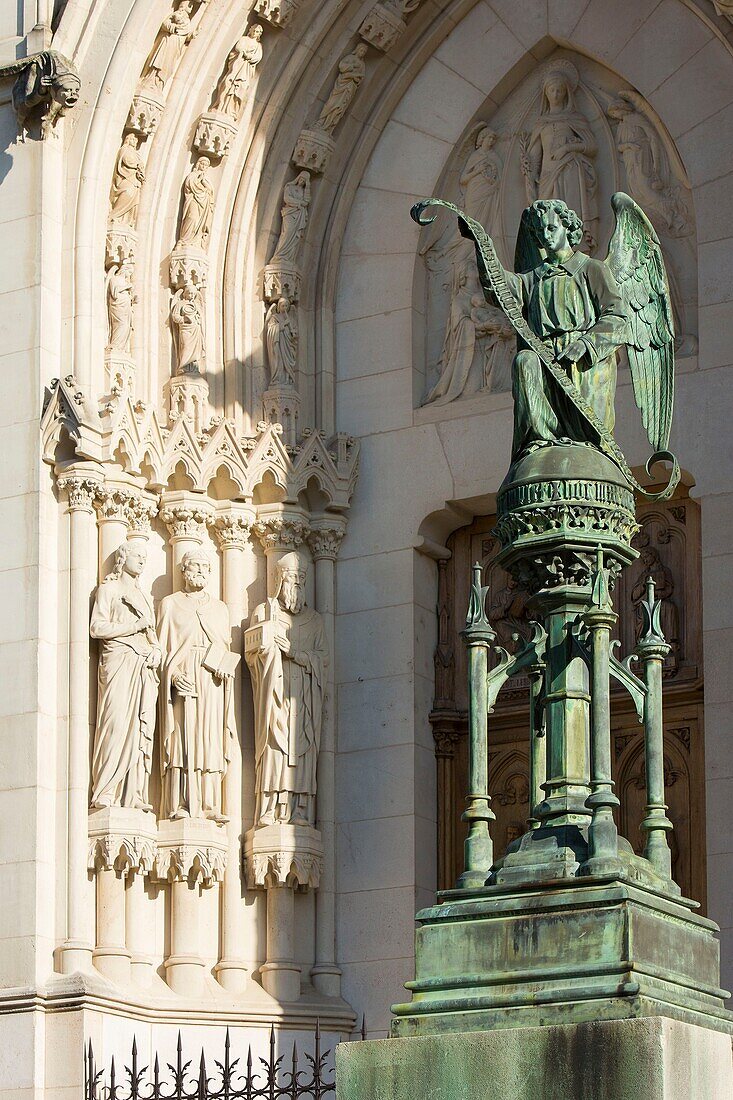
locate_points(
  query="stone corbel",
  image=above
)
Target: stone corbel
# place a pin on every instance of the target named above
(382, 27)
(121, 245)
(214, 134)
(191, 850)
(189, 266)
(282, 281)
(45, 80)
(122, 840)
(284, 855)
(146, 110)
(277, 12)
(313, 150)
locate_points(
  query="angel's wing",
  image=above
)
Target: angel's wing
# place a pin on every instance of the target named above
(635, 259)
(527, 255)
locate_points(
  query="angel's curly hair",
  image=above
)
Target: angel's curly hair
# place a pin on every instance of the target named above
(568, 217)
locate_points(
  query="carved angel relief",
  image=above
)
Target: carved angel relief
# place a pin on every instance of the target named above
(571, 130)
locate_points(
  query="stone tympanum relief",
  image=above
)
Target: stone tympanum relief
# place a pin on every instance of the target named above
(287, 654)
(123, 621)
(570, 130)
(196, 702)
(241, 65)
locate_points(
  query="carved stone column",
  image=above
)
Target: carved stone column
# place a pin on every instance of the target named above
(121, 847)
(232, 528)
(191, 856)
(283, 858)
(81, 484)
(325, 542)
(280, 529)
(186, 515)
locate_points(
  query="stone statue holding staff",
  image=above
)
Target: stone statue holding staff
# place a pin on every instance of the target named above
(572, 314)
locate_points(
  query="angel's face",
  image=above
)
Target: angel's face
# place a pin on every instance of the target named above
(552, 234)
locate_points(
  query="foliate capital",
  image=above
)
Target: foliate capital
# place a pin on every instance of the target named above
(186, 521)
(232, 530)
(81, 490)
(115, 503)
(325, 542)
(280, 533)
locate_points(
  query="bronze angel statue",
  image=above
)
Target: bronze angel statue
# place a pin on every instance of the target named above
(572, 313)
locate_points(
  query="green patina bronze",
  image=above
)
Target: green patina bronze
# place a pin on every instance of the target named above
(568, 926)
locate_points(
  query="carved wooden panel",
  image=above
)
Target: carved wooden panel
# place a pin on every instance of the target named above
(669, 545)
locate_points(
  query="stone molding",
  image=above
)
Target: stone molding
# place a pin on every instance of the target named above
(284, 855)
(136, 429)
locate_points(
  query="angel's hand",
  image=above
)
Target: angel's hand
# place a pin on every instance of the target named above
(574, 352)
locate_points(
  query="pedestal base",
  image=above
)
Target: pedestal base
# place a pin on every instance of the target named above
(561, 953)
(653, 1058)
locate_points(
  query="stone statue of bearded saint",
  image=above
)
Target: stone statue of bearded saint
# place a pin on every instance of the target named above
(123, 622)
(287, 654)
(196, 700)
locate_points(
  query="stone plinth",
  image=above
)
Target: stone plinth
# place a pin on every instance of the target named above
(382, 27)
(653, 1058)
(121, 245)
(284, 854)
(214, 133)
(282, 281)
(147, 107)
(189, 266)
(313, 150)
(565, 952)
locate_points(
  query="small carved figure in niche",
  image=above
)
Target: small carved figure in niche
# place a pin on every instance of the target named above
(653, 566)
(174, 35)
(240, 69)
(124, 623)
(47, 80)
(281, 337)
(647, 164)
(459, 345)
(479, 181)
(287, 653)
(557, 160)
(508, 613)
(127, 182)
(352, 71)
(120, 302)
(198, 206)
(187, 325)
(196, 702)
(294, 213)
(495, 339)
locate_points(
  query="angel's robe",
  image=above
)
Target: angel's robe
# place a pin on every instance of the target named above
(577, 299)
(196, 732)
(288, 680)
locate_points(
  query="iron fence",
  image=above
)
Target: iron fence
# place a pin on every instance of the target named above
(300, 1077)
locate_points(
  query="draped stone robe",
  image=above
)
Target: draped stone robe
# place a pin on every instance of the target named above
(128, 690)
(195, 731)
(288, 679)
